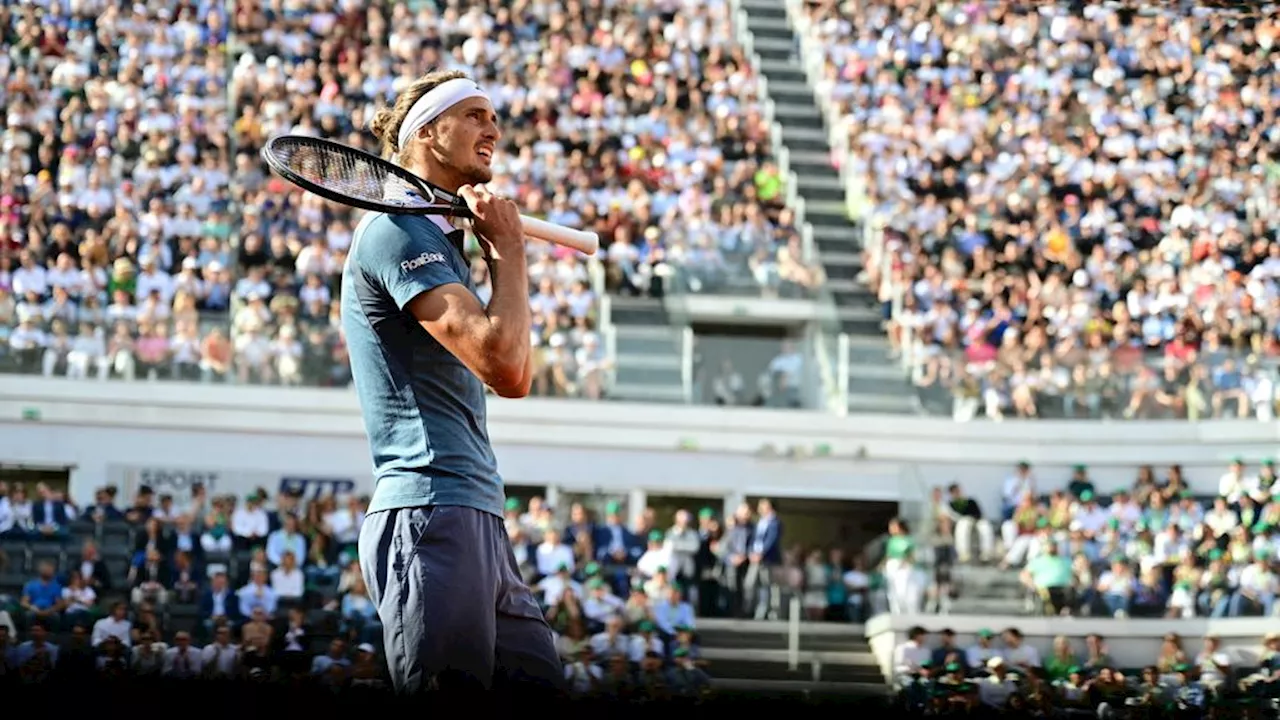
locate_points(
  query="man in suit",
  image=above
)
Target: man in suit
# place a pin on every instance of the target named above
(93, 569)
(182, 661)
(763, 560)
(103, 508)
(617, 548)
(707, 563)
(219, 604)
(150, 580)
(49, 514)
(738, 547)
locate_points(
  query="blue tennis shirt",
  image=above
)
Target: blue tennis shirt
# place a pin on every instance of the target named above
(424, 411)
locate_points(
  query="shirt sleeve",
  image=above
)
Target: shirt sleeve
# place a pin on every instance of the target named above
(405, 255)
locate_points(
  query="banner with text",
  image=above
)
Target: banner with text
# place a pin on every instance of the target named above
(240, 483)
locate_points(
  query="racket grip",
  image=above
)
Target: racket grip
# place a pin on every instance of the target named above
(580, 240)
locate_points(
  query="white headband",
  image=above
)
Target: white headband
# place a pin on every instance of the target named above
(435, 102)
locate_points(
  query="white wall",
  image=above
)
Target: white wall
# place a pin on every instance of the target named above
(612, 446)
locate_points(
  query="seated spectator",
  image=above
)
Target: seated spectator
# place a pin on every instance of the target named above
(182, 661)
(572, 640)
(287, 539)
(37, 658)
(334, 659)
(645, 642)
(912, 652)
(143, 506)
(221, 658)
(293, 647)
(1051, 577)
(92, 569)
(556, 583)
(366, 670)
(114, 660)
(258, 631)
(657, 558)
(116, 625)
(966, 515)
(257, 594)
(686, 678)
(287, 580)
(147, 657)
(583, 675)
(1062, 660)
(1017, 652)
(76, 659)
(185, 580)
(79, 601)
(249, 523)
(359, 614)
(41, 600)
(612, 641)
(50, 515)
(672, 611)
(1256, 588)
(320, 568)
(219, 604)
(17, 513)
(553, 555)
(601, 604)
(149, 580)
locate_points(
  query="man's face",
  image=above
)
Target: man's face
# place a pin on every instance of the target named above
(337, 648)
(46, 572)
(182, 639)
(463, 139)
(37, 633)
(223, 635)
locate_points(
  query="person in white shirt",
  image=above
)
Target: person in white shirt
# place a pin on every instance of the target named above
(344, 521)
(1015, 487)
(288, 580)
(1257, 588)
(553, 586)
(613, 641)
(552, 554)
(1233, 483)
(656, 557)
(1091, 516)
(88, 350)
(601, 604)
(115, 625)
(1124, 509)
(288, 539)
(1116, 586)
(249, 523)
(906, 584)
(644, 641)
(994, 691)
(221, 657)
(582, 674)
(182, 660)
(1221, 519)
(910, 655)
(1017, 652)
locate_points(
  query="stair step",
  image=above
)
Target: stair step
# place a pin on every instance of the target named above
(790, 89)
(861, 403)
(825, 182)
(844, 231)
(758, 11)
(821, 694)
(887, 371)
(772, 33)
(799, 132)
(801, 157)
(725, 640)
(648, 361)
(782, 71)
(988, 606)
(633, 311)
(827, 209)
(644, 392)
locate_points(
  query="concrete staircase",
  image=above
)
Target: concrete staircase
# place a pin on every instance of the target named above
(751, 656)
(876, 384)
(988, 590)
(649, 352)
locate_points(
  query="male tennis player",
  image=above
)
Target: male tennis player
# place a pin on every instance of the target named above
(433, 548)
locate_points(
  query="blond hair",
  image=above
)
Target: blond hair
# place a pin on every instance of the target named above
(386, 122)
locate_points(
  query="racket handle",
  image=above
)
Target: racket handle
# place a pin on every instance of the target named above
(580, 240)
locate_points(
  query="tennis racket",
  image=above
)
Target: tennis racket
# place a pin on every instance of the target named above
(356, 178)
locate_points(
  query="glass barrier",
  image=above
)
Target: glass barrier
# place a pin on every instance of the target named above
(1112, 384)
(736, 276)
(752, 371)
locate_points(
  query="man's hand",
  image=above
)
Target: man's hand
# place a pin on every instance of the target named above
(496, 221)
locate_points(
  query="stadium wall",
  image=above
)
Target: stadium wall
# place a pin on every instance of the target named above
(250, 436)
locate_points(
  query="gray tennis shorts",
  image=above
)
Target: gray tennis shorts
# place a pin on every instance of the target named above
(454, 611)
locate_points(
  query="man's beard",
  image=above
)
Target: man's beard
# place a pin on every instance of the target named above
(476, 174)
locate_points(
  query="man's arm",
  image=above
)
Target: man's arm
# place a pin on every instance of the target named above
(409, 258)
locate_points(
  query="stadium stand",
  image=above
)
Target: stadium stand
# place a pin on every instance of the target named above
(1082, 233)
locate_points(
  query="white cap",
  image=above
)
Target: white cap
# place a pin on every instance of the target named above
(365, 648)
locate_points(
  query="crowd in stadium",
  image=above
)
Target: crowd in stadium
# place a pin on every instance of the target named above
(142, 237)
(1080, 679)
(225, 586)
(1078, 201)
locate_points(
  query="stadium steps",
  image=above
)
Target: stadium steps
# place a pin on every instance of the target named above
(752, 656)
(648, 360)
(876, 384)
(988, 590)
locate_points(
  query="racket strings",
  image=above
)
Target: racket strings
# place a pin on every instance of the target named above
(348, 173)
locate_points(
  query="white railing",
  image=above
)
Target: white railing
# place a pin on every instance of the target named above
(793, 634)
(609, 333)
(842, 379)
(686, 362)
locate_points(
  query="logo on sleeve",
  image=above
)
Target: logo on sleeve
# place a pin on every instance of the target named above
(425, 258)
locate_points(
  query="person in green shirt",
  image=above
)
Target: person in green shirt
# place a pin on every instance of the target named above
(1062, 661)
(1050, 575)
(768, 182)
(899, 545)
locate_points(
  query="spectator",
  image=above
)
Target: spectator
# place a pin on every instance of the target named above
(287, 580)
(42, 601)
(92, 569)
(763, 560)
(257, 594)
(79, 601)
(115, 625)
(150, 579)
(287, 538)
(37, 658)
(249, 523)
(182, 661)
(359, 614)
(220, 659)
(967, 517)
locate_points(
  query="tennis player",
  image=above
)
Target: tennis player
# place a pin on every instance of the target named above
(433, 548)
